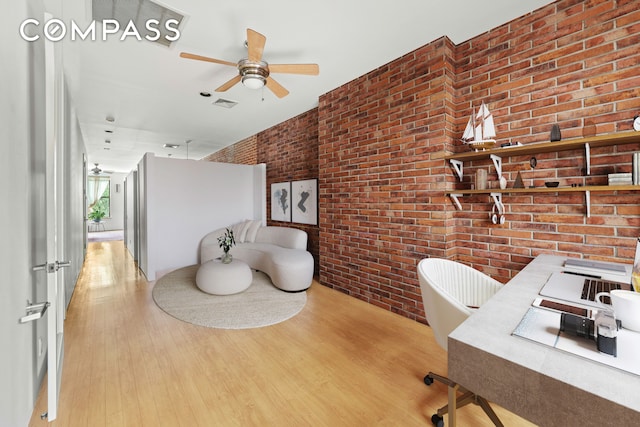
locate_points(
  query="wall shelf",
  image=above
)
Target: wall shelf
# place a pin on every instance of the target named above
(584, 188)
(496, 155)
(550, 147)
(496, 194)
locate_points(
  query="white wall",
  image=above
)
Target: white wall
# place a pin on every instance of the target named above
(131, 197)
(74, 242)
(17, 126)
(186, 199)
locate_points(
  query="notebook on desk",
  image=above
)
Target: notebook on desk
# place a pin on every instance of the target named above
(601, 269)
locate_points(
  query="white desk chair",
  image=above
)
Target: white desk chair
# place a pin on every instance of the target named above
(451, 292)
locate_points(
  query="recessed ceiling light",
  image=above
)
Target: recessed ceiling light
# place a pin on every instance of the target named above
(107, 148)
(110, 119)
(108, 131)
(107, 141)
(205, 94)
(171, 146)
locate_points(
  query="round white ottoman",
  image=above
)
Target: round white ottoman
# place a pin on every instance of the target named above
(214, 277)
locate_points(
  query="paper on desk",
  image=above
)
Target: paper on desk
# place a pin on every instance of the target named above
(543, 326)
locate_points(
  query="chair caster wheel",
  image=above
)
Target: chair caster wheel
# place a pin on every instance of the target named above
(437, 420)
(428, 380)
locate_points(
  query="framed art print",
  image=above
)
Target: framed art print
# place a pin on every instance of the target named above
(304, 202)
(281, 201)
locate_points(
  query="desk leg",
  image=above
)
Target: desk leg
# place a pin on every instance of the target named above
(453, 404)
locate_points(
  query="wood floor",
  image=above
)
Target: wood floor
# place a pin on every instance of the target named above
(340, 362)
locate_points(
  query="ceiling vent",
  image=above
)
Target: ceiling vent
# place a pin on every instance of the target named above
(139, 12)
(224, 103)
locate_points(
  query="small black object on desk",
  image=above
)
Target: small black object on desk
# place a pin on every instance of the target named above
(584, 327)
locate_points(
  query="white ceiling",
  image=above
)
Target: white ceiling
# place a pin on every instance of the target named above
(153, 94)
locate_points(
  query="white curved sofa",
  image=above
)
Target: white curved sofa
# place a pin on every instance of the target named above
(280, 252)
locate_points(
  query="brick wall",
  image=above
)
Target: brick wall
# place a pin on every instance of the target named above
(377, 144)
(243, 153)
(382, 137)
(290, 151)
(382, 204)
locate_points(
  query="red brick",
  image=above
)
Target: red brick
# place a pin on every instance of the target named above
(377, 143)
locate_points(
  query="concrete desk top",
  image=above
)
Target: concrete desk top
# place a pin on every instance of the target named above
(547, 386)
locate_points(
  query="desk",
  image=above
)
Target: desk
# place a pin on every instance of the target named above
(544, 385)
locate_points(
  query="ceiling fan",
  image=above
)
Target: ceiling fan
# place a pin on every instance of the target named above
(253, 72)
(97, 171)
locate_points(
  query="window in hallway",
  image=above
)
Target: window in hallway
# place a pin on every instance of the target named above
(99, 195)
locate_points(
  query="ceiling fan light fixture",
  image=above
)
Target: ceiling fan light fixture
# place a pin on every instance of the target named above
(253, 74)
(253, 82)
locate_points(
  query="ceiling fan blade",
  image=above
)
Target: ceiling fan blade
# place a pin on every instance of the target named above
(255, 45)
(226, 86)
(207, 59)
(276, 88)
(308, 69)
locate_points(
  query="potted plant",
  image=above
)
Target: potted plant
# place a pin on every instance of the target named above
(226, 241)
(96, 214)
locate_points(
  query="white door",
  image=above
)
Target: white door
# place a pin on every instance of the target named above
(55, 284)
(29, 136)
(19, 356)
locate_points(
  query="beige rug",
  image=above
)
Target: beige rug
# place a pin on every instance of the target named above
(261, 305)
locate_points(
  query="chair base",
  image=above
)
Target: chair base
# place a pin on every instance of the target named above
(466, 398)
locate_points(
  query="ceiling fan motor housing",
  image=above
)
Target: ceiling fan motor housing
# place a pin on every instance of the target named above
(253, 72)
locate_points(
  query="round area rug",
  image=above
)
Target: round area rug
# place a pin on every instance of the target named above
(261, 305)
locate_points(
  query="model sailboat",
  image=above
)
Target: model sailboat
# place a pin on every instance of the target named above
(480, 129)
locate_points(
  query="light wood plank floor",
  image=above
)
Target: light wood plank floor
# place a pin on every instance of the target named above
(340, 362)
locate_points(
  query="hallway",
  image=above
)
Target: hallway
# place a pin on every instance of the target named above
(340, 362)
